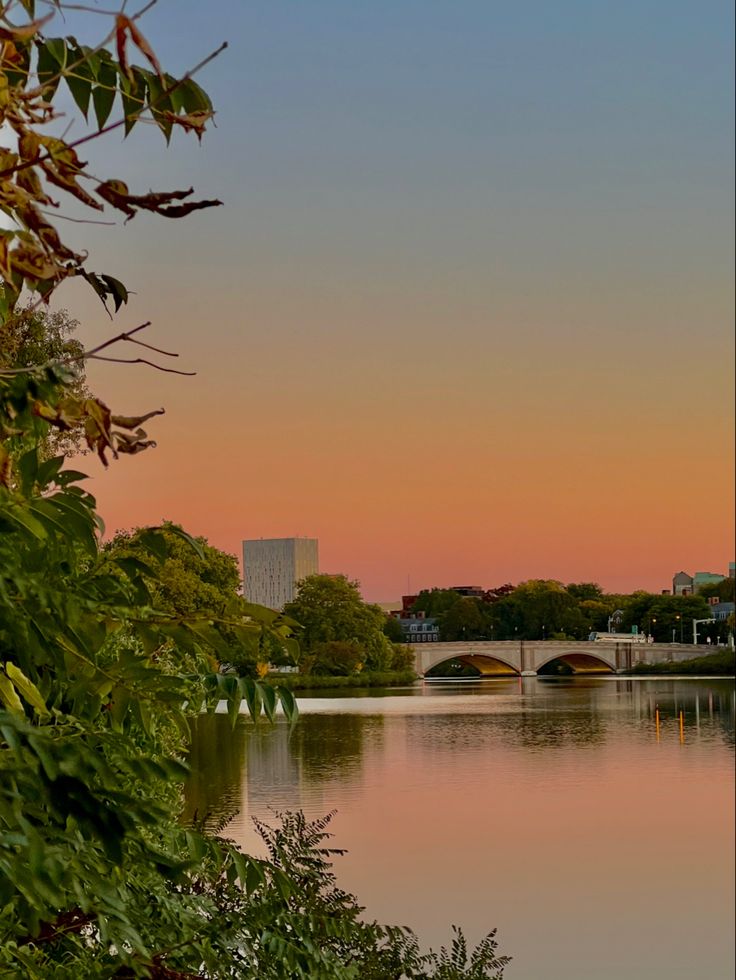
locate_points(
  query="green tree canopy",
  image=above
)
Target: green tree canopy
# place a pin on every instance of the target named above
(725, 590)
(538, 608)
(585, 590)
(392, 629)
(188, 582)
(330, 608)
(664, 615)
(466, 619)
(435, 602)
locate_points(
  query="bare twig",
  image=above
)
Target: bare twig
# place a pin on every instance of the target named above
(158, 350)
(77, 221)
(140, 360)
(125, 335)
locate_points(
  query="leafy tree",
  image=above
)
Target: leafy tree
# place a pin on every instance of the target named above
(664, 615)
(337, 658)
(187, 583)
(202, 584)
(330, 608)
(38, 336)
(392, 629)
(435, 602)
(539, 608)
(34, 336)
(585, 591)
(725, 590)
(596, 613)
(466, 619)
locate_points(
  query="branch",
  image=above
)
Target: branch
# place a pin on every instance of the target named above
(140, 360)
(126, 335)
(120, 122)
(94, 355)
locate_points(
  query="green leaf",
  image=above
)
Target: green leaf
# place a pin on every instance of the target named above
(79, 82)
(191, 97)
(56, 47)
(50, 516)
(70, 476)
(73, 521)
(196, 846)
(159, 103)
(134, 567)
(120, 699)
(135, 96)
(103, 94)
(27, 468)
(9, 696)
(268, 696)
(181, 533)
(252, 696)
(26, 687)
(48, 470)
(15, 512)
(155, 543)
(288, 703)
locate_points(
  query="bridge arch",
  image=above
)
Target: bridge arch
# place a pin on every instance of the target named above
(583, 663)
(486, 665)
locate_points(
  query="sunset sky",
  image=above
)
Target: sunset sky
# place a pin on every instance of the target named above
(467, 313)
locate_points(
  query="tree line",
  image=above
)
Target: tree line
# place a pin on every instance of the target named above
(546, 609)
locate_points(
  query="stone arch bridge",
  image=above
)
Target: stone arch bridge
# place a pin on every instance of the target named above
(527, 657)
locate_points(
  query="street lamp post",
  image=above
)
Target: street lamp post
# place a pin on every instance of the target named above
(696, 623)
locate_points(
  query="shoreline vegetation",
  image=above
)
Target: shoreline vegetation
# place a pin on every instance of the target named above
(722, 663)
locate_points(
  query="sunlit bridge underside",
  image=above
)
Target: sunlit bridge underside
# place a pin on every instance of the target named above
(580, 663)
(489, 666)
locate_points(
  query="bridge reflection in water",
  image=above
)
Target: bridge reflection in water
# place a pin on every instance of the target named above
(529, 657)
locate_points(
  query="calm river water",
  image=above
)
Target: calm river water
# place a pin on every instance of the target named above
(551, 808)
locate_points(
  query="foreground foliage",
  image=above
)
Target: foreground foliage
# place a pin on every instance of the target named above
(97, 876)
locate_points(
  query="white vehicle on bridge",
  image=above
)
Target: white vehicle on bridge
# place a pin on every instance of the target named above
(618, 638)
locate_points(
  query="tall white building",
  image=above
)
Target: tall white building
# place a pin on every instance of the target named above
(272, 567)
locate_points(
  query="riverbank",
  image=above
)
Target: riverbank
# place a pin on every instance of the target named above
(367, 678)
(719, 664)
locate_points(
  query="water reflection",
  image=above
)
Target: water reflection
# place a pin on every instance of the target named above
(593, 807)
(332, 746)
(212, 792)
(244, 770)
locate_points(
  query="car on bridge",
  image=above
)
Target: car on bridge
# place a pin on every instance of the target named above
(618, 638)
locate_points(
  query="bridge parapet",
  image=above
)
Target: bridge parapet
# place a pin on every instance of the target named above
(527, 657)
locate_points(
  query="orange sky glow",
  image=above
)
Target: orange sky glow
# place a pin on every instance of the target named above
(465, 317)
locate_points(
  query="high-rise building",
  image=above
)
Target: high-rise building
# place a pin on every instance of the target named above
(273, 566)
